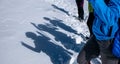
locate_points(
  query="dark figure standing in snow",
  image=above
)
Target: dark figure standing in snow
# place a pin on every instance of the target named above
(104, 27)
(80, 9)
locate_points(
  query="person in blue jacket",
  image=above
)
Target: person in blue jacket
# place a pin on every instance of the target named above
(91, 17)
(116, 44)
(104, 27)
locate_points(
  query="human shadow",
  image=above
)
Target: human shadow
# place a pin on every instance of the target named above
(58, 23)
(61, 9)
(68, 42)
(57, 54)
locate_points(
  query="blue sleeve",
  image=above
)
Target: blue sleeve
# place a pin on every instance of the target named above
(107, 13)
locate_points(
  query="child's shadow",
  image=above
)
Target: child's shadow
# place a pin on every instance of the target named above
(57, 54)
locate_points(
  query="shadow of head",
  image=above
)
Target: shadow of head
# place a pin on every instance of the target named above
(31, 35)
(48, 19)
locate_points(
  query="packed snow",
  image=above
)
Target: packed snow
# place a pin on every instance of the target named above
(41, 32)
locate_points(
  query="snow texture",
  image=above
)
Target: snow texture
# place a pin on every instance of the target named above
(41, 32)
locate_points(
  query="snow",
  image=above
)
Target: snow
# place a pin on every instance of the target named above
(55, 35)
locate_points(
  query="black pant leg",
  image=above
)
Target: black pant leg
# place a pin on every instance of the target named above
(80, 8)
(90, 22)
(81, 12)
(106, 52)
(90, 50)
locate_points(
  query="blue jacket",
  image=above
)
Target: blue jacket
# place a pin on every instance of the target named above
(116, 44)
(105, 23)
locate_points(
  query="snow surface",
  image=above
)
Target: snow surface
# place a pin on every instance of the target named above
(40, 31)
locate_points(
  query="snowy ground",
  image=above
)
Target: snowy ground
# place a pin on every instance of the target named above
(40, 31)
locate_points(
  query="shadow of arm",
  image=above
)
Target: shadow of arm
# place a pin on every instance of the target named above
(30, 47)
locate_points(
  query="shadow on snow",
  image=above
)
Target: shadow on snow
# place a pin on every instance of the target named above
(61, 9)
(57, 54)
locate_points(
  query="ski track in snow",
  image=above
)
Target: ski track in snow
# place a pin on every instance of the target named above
(41, 32)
